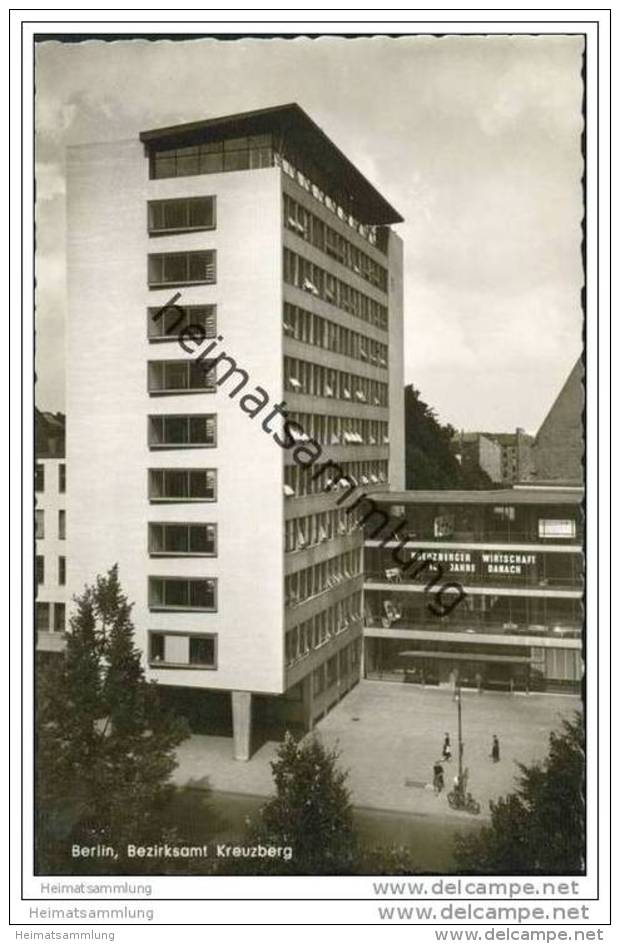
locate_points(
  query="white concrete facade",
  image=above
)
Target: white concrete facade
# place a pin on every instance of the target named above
(109, 405)
(50, 509)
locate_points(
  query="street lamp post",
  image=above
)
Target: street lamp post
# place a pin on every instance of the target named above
(460, 730)
(459, 798)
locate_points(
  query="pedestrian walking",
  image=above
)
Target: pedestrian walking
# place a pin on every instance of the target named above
(446, 751)
(495, 749)
(438, 781)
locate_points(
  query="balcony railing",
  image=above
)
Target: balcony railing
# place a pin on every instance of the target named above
(476, 536)
(394, 577)
(473, 628)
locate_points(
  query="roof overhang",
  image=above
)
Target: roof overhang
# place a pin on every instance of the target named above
(292, 125)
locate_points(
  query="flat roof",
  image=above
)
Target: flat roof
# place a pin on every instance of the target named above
(295, 127)
(502, 496)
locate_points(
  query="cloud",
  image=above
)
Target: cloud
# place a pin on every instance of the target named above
(475, 140)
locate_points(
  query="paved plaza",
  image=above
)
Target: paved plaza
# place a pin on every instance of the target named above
(389, 735)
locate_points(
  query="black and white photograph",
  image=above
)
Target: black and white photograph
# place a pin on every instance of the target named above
(312, 364)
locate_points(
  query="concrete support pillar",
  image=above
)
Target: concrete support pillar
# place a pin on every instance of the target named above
(242, 724)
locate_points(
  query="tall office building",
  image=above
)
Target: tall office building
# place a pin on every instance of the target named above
(232, 531)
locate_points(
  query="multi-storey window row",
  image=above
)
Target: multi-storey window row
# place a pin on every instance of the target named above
(346, 663)
(316, 579)
(315, 632)
(302, 325)
(493, 523)
(250, 152)
(315, 380)
(182, 650)
(182, 485)
(299, 481)
(300, 220)
(315, 280)
(182, 593)
(309, 530)
(292, 166)
(182, 539)
(213, 157)
(167, 269)
(182, 431)
(180, 215)
(339, 430)
(167, 323)
(181, 376)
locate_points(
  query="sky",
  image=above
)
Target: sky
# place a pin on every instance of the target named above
(475, 140)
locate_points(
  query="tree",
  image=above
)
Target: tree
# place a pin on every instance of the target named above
(539, 829)
(105, 745)
(429, 459)
(311, 813)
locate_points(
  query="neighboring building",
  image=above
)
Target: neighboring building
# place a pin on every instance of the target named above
(512, 616)
(559, 445)
(481, 450)
(505, 457)
(275, 245)
(50, 531)
(516, 455)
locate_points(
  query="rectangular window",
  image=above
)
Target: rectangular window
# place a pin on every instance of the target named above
(62, 571)
(39, 524)
(157, 647)
(182, 431)
(62, 525)
(169, 538)
(213, 157)
(507, 512)
(180, 215)
(443, 526)
(556, 528)
(40, 568)
(39, 477)
(202, 650)
(176, 593)
(178, 650)
(62, 478)
(169, 321)
(173, 485)
(180, 376)
(42, 617)
(59, 617)
(181, 268)
(332, 672)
